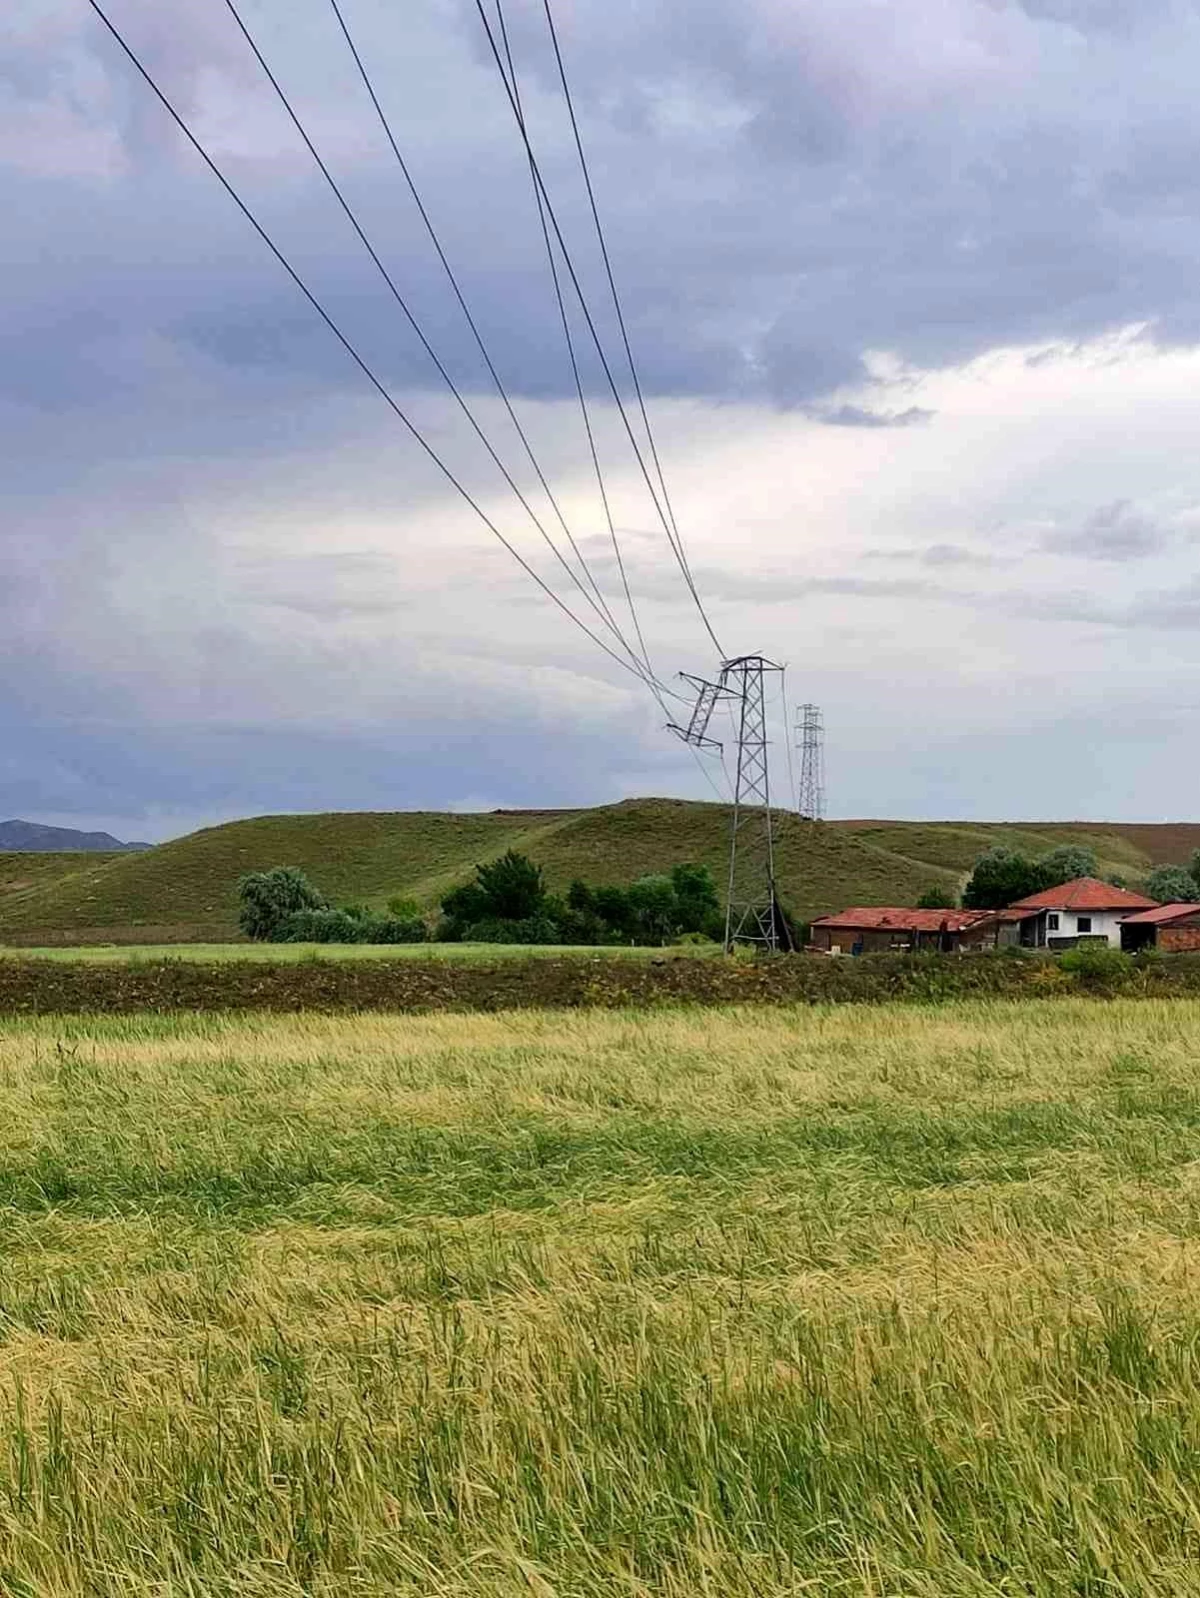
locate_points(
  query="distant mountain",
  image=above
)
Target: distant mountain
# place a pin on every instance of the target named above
(30, 837)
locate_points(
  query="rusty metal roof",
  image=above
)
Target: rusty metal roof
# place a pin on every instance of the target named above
(1161, 914)
(899, 918)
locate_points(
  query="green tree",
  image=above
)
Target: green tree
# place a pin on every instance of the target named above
(510, 889)
(655, 909)
(269, 897)
(1067, 862)
(937, 897)
(1001, 877)
(614, 909)
(462, 907)
(1173, 885)
(698, 907)
(513, 886)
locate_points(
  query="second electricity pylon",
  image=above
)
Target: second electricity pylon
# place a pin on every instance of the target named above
(752, 914)
(810, 739)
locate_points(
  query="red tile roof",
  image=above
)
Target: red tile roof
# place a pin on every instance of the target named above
(898, 918)
(1085, 893)
(1162, 913)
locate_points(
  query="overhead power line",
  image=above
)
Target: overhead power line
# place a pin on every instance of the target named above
(584, 306)
(350, 348)
(678, 545)
(568, 336)
(398, 296)
(452, 277)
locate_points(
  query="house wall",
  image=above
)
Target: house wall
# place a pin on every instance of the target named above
(1180, 940)
(1105, 924)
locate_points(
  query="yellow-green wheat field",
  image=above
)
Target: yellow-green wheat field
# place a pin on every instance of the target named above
(875, 1301)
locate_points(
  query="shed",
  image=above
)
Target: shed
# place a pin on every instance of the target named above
(870, 929)
(1174, 928)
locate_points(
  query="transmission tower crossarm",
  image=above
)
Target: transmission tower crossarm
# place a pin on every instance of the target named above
(708, 695)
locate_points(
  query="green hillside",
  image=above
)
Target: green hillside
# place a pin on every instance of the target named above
(26, 875)
(185, 891)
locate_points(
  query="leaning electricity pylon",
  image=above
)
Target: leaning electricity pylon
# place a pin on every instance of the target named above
(708, 696)
(810, 741)
(752, 913)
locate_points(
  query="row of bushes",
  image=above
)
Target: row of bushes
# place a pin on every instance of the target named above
(508, 902)
(50, 987)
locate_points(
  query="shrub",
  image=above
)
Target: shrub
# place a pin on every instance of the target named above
(404, 909)
(1098, 967)
(937, 897)
(582, 927)
(268, 898)
(529, 930)
(321, 926)
(396, 929)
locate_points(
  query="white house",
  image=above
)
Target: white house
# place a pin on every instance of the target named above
(1085, 908)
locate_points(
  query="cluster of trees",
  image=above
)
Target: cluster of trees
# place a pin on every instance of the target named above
(283, 906)
(508, 902)
(1005, 876)
(1002, 876)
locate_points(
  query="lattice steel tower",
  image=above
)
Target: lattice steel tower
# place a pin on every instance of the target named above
(752, 913)
(810, 742)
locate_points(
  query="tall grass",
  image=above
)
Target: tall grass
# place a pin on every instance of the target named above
(755, 1303)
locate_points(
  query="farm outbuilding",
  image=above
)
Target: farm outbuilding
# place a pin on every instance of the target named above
(1174, 928)
(871, 929)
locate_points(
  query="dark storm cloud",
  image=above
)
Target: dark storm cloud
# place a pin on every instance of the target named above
(789, 187)
(798, 201)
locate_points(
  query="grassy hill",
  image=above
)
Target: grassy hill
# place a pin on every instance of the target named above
(185, 891)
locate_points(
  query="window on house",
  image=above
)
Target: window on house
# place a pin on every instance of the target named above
(1052, 923)
(1083, 923)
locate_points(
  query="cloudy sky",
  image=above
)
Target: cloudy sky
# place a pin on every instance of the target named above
(913, 288)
